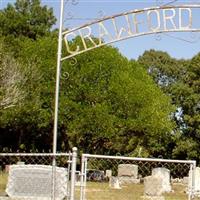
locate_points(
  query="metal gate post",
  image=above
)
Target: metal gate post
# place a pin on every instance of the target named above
(73, 173)
(83, 176)
(69, 162)
(193, 168)
(191, 183)
(53, 194)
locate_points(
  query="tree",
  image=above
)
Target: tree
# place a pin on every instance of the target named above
(11, 93)
(109, 104)
(162, 67)
(15, 96)
(181, 79)
(26, 18)
(188, 97)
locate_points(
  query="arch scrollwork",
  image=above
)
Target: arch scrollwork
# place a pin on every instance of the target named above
(130, 24)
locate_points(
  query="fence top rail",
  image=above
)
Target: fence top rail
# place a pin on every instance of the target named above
(139, 159)
(36, 154)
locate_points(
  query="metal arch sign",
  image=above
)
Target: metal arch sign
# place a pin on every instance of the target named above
(130, 24)
(179, 18)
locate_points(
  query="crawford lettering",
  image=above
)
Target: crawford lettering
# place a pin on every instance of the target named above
(131, 24)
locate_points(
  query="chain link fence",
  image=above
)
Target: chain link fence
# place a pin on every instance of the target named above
(35, 176)
(125, 178)
(54, 176)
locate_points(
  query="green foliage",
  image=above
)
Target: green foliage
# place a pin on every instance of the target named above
(26, 18)
(183, 86)
(11, 77)
(112, 105)
(108, 104)
(164, 69)
(19, 119)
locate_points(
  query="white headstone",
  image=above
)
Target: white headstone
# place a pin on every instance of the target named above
(128, 174)
(153, 186)
(125, 180)
(35, 181)
(108, 173)
(114, 182)
(185, 180)
(196, 180)
(20, 163)
(129, 170)
(164, 174)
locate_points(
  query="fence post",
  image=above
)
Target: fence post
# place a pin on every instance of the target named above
(191, 183)
(83, 176)
(54, 177)
(73, 173)
(69, 162)
(193, 168)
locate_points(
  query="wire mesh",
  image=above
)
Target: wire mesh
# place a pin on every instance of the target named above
(133, 178)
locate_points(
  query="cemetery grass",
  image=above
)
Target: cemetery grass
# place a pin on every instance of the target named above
(3, 181)
(101, 191)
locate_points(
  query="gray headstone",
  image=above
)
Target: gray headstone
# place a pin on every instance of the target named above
(153, 186)
(185, 180)
(125, 180)
(164, 174)
(196, 180)
(7, 168)
(35, 181)
(20, 163)
(128, 174)
(128, 170)
(114, 182)
(176, 180)
(108, 173)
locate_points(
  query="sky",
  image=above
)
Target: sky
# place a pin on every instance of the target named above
(79, 12)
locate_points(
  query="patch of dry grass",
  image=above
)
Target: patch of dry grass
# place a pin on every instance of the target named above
(179, 193)
(3, 181)
(102, 191)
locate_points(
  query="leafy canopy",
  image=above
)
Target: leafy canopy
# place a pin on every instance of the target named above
(26, 18)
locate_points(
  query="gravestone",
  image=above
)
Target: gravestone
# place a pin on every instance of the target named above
(128, 174)
(164, 174)
(35, 181)
(20, 163)
(196, 180)
(153, 188)
(128, 170)
(114, 182)
(7, 167)
(124, 180)
(185, 180)
(176, 180)
(108, 173)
